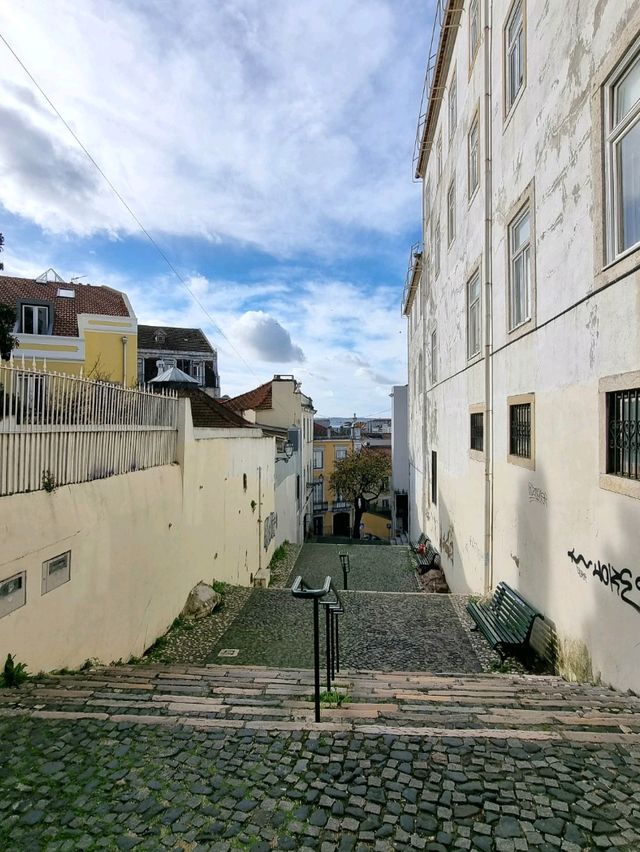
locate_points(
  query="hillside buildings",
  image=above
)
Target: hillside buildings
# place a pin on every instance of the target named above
(523, 307)
(163, 347)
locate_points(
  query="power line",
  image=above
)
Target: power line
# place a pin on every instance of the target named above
(125, 204)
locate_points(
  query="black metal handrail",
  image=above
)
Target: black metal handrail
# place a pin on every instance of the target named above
(332, 609)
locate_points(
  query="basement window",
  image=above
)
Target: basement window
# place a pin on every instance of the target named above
(56, 572)
(13, 593)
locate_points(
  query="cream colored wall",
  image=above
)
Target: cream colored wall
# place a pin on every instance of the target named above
(375, 525)
(104, 355)
(139, 542)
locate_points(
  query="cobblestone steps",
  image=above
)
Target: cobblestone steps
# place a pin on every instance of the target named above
(478, 706)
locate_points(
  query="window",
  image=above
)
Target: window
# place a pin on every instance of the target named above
(477, 431)
(434, 477)
(520, 269)
(623, 433)
(56, 572)
(514, 54)
(434, 357)
(439, 157)
(453, 106)
(13, 593)
(385, 503)
(318, 459)
(521, 430)
(436, 249)
(473, 315)
(474, 156)
(622, 143)
(318, 494)
(341, 453)
(474, 29)
(451, 211)
(35, 319)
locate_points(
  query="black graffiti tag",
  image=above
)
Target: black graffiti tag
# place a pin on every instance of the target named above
(621, 581)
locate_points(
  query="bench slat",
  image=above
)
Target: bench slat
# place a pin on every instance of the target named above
(506, 621)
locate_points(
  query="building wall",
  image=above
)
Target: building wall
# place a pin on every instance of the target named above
(329, 447)
(97, 352)
(286, 501)
(534, 525)
(139, 543)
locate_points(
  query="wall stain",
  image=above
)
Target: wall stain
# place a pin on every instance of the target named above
(446, 544)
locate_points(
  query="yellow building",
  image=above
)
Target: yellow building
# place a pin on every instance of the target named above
(72, 327)
(332, 515)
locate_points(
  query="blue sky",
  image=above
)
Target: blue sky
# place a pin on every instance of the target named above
(267, 147)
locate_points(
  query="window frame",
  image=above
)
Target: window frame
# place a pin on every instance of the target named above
(613, 133)
(437, 239)
(341, 453)
(433, 348)
(522, 461)
(608, 385)
(50, 581)
(474, 45)
(7, 603)
(474, 275)
(36, 306)
(452, 105)
(511, 99)
(473, 188)
(451, 211)
(474, 411)
(513, 257)
(439, 157)
(320, 452)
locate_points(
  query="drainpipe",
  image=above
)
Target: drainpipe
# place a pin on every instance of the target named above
(259, 520)
(488, 319)
(124, 361)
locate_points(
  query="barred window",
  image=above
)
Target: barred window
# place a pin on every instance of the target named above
(520, 430)
(623, 433)
(477, 431)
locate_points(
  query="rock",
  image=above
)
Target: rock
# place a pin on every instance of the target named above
(435, 581)
(202, 600)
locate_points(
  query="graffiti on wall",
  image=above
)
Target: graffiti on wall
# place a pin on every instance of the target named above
(621, 582)
(537, 494)
(270, 527)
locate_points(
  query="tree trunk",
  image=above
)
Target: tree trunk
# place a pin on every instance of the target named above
(360, 508)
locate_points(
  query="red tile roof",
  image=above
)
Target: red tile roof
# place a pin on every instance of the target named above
(319, 431)
(208, 412)
(88, 299)
(256, 399)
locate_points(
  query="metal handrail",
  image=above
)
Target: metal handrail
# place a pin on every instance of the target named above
(333, 608)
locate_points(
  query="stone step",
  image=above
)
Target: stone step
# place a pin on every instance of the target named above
(282, 699)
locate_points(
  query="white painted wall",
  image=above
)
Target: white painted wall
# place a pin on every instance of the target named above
(552, 145)
(139, 542)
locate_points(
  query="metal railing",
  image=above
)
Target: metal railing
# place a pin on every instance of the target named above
(70, 429)
(332, 609)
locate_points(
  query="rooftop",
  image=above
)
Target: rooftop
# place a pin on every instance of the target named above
(86, 299)
(172, 339)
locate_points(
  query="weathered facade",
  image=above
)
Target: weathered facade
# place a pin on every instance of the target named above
(163, 347)
(523, 307)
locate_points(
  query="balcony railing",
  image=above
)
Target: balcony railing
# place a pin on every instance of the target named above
(320, 506)
(414, 271)
(340, 506)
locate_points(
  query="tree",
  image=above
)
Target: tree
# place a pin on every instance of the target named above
(7, 340)
(359, 478)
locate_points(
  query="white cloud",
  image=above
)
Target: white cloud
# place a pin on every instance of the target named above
(192, 109)
(266, 338)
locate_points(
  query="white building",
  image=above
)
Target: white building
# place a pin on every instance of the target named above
(399, 458)
(524, 316)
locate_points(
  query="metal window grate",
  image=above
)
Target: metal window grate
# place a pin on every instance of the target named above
(520, 430)
(477, 431)
(623, 433)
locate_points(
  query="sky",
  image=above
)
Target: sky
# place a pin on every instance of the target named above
(265, 147)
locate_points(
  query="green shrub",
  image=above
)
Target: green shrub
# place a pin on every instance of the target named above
(13, 673)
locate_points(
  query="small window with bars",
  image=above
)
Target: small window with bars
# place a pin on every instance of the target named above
(520, 430)
(623, 433)
(477, 431)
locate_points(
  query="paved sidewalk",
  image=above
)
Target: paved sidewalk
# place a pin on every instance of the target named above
(374, 568)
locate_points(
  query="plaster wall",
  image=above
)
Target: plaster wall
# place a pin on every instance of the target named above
(139, 542)
(553, 527)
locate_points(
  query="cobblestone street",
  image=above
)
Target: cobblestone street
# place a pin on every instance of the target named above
(224, 757)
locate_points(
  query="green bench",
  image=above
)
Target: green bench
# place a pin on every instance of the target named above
(506, 621)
